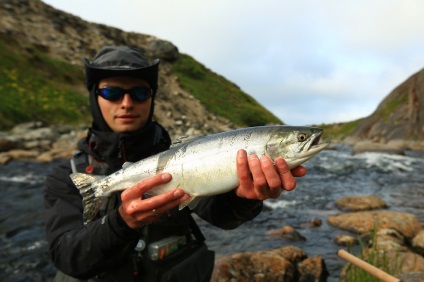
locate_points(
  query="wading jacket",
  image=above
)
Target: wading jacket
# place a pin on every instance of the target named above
(106, 244)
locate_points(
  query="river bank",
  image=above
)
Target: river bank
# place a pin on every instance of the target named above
(304, 218)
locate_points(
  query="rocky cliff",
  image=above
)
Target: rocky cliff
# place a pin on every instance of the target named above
(398, 121)
(67, 37)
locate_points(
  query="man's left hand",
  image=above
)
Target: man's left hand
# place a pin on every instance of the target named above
(261, 179)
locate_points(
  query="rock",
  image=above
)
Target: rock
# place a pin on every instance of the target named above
(408, 261)
(283, 264)
(287, 232)
(360, 203)
(6, 143)
(418, 243)
(389, 240)
(23, 128)
(164, 50)
(259, 266)
(313, 269)
(5, 158)
(365, 221)
(369, 146)
(414, 276)
(316, 222)
(345, 240)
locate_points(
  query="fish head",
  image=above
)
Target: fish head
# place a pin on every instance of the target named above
(295, 145)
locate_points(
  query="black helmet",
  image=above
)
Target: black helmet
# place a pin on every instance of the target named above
(113, 61)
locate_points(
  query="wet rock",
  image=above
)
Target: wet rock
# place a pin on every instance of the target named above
(363, 222)
(316, 222)
(360, 203)
(287, 232)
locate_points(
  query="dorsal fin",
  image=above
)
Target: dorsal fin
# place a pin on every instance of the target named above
(183, 140)
(127, 164)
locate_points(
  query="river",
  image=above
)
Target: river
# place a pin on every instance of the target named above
(398, 180)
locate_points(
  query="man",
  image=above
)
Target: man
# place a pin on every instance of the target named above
(120, 244)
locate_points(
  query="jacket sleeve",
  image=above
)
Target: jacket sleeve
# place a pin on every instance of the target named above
(228, 211)
(79, 250)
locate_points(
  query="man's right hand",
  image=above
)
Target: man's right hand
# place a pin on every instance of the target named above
(137, 212)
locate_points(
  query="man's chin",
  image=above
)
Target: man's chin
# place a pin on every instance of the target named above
(128, 128)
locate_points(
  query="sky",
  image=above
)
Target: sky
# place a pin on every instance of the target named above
(308, 62)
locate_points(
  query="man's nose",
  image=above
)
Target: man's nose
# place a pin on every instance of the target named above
(127, 101)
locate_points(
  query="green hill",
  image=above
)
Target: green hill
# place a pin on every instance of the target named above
(34, 86)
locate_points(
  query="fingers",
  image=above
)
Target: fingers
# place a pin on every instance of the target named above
(137, 212)
(260, 178)
(160, 203)
(141, 187)
(287, 178)
(298, 171)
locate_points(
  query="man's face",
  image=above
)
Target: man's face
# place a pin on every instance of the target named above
(124, 115)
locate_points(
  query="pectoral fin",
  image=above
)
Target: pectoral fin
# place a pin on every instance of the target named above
(190, 202)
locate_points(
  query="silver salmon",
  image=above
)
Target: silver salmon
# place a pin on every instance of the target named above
(204, 166)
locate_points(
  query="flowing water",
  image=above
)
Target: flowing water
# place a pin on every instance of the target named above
(398, 180)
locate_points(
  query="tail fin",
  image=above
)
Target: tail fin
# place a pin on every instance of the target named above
(92, 203)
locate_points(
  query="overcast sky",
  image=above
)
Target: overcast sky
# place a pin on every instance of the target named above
(308, 62)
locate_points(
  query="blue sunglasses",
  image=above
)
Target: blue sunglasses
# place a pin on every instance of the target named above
(139, 94)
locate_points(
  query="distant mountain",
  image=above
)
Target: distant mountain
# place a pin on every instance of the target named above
(398, 120)
(191, 98)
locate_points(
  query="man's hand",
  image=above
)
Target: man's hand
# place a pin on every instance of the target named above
(137, 212)
(260, 179)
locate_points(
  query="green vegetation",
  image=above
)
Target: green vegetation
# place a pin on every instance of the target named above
(338, 131)
(393, 105)
(33, 86)
(378, 258)
(220, 96)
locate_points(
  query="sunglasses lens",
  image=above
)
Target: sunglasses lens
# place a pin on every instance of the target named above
(111, 93)
(141, 93)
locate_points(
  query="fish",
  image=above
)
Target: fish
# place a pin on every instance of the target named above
(203, 166)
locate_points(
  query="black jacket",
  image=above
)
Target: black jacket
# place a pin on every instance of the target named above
(106, 244)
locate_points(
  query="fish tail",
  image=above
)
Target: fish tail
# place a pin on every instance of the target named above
(84, 183)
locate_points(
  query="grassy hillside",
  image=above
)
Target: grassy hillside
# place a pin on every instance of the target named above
(338, 131)
(33, 86)
(220, 96)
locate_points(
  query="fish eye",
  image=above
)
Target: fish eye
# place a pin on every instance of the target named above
(301, 137)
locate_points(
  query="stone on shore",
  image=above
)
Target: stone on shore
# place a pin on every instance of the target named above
(418, 243)
(366, 221)
(283, 264)
(360, 203)
(369, 146)
(286, 232)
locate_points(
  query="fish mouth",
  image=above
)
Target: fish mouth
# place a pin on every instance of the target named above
(311, 149)
(314, 146)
